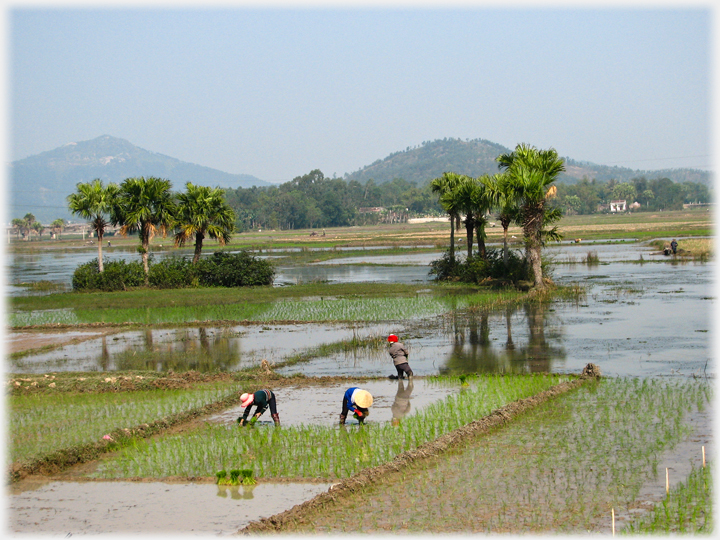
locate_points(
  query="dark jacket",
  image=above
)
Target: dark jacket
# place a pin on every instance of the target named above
(262, 399)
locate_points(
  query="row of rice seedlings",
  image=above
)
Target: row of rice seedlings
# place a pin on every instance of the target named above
(318, 451)
(558, 468)
(42, 317)
(356, 309)
(603, 456)
(43, 423)
(687, 508)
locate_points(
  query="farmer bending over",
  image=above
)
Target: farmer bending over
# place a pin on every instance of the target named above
(261, 399)
(399, 354)
(357, 402)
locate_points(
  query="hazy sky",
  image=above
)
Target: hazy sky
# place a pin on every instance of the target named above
(278, 92)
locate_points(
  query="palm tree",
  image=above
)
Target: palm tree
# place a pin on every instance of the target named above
(482, 202)
(144, 205)
(93, 201)
(530, 173)
(443, 185)
(461, 198)
(501, 193)
(57, 226)
(39, 228)
(202, 212)
(19, 225)
(29, 221)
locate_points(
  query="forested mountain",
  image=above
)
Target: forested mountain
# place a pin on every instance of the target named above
(41, 183)
(476, 157)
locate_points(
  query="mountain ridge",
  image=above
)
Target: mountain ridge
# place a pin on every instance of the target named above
(40, 183)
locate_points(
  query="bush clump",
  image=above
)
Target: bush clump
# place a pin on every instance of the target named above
(475, 269)
(118, 275)
(219, 270)
(234, 270)
(173, 273)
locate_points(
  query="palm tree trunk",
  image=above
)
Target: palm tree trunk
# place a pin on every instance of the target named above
(101, 268)
(469, 226)
(505, 248)
(452, 237)
(198, 246)
(145, 254)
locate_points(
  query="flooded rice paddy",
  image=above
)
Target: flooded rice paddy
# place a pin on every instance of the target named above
(63, 508)
(643, 316)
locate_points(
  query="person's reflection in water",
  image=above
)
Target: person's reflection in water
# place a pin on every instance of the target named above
(401, 405)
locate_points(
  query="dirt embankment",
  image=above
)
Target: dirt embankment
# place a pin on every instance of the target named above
(348, 488)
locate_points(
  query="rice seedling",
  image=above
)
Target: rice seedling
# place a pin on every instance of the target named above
(687, 508)
(42, 423)
(319, 451)
(556, 469)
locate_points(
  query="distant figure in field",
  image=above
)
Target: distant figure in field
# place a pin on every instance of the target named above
(399, 354)
(673, 246)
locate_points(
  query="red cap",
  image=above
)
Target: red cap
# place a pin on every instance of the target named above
(392, 338)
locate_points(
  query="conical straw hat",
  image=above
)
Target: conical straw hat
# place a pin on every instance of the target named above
(362, 398)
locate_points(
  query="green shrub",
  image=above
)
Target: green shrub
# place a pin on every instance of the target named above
(173, 273)
(118, 275)
(234, 270)
(475, 269)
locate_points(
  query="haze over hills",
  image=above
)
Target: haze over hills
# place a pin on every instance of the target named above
(477, 157)
(40, 184)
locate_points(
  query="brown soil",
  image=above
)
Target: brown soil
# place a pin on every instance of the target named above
(346, 489)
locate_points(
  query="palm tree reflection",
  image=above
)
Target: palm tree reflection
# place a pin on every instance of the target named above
(533, 349)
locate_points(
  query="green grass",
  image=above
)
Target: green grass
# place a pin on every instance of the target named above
(312, 451)
(41, 423)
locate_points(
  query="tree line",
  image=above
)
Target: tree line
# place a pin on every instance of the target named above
(314, 201)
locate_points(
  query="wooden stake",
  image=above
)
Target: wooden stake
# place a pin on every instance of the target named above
(612, 510)
(667, 481)
(703, 450)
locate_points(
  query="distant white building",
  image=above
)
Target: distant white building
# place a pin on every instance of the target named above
(618, 206)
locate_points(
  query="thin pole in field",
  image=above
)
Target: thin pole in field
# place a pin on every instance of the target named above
(667, 481)
(703, 452)
(612, 511)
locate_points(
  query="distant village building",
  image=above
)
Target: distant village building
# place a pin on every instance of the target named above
(618, 206)
(635, 206)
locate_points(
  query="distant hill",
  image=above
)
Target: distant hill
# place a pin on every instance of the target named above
(41, 183)
(477, 157)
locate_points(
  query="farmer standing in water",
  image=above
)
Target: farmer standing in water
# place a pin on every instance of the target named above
(399, 354)
(358, 402)
(261, 399)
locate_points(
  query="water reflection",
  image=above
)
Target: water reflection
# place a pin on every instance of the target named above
(401, 405)
(473, 350)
